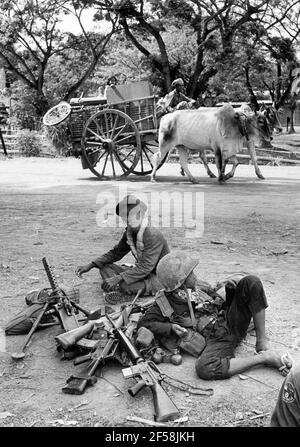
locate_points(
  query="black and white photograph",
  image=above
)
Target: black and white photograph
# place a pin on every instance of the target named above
(150, 217)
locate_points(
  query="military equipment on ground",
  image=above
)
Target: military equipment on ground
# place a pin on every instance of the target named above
(76, 384)
(21, 354)
(164, 407)
(70, 338)
(73, 336)
(65, 309)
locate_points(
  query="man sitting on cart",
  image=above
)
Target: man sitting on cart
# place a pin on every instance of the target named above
(148, 246)
(175, 100)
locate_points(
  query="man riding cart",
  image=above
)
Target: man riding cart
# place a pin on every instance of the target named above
(175, 100)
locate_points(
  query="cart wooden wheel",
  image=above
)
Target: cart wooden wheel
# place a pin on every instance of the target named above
(145, 165)
(111, 144)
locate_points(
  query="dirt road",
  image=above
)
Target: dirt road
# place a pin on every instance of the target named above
(51, 207)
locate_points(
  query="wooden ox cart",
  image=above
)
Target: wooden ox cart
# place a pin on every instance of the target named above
(115, 136)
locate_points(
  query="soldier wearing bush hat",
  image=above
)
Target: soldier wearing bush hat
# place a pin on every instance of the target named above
(146, 244)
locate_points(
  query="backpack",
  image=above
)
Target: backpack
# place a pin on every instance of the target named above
(23, 321)
(35, 300)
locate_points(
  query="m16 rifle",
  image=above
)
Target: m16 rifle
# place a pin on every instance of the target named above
(164, 407)
(76, 384)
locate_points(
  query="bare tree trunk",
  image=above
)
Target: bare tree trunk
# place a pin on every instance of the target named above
(253, 100)
(292, 128)
(292, 109)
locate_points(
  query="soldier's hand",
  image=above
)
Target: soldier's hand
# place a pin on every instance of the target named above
(179, 330)
(83, 269)
(110, 284)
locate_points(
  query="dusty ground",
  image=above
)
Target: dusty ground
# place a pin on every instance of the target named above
(49, 208)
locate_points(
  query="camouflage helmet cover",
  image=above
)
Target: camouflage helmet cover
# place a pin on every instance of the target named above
(173, 269)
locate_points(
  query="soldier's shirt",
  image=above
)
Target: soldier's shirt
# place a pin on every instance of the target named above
(287, 409)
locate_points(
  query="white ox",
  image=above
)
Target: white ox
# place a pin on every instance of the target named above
(223, 129)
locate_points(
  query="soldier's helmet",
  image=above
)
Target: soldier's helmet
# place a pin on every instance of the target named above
(173, 269)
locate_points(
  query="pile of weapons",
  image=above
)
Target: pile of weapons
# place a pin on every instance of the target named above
(101, 338)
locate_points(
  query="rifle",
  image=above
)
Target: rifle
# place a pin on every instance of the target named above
(71, 337)
(164, 407)
(78, 384)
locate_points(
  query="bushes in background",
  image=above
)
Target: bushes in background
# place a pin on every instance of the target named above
(28, 142)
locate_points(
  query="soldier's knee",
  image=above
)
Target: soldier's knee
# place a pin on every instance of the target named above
(210, 367)
(203, 368)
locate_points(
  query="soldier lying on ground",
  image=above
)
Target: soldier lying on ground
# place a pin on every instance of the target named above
(168, 317)
(147, 245)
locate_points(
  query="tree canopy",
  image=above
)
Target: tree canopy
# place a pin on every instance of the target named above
(33, 46)
(231, 49)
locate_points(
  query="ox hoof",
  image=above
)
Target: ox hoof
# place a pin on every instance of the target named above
(195, 182)
(152, 180)
(212, 175)
(221, 181)
(260, 176)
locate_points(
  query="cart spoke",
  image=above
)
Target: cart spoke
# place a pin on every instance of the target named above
(96, 135)
(92, 143)
(101, 156)
(142, 163)
(120, 131)
(113, 165)
(145, 152)
(128, 155)
(148, 148)
(99, 129)
(105, 164)
(125, 138)
(114, 127)
(106, 125)
(120, 162)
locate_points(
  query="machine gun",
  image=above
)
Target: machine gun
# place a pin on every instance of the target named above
(63, 308)
(66, 310)
(164, 407)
